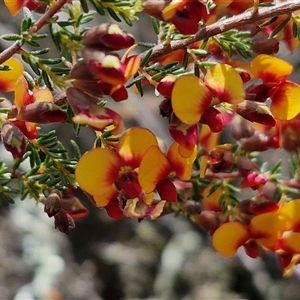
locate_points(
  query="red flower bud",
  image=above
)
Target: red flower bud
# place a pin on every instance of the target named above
(63, 221)
(53, 203)
(166, 85)
(42, 113)
(13, 139)
(108, 36)
(214, 119)
(255, 112)
(253, 180)
(263, 207)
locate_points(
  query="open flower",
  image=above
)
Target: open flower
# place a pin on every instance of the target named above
(283, 93)
(191, 97)
(103, 173)
(264, 230)
(168, 166)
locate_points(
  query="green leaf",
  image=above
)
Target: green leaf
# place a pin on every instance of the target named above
(113, 14)
(47, 80)
(11, 37)
(34, 66)
(155, 24)
(146, 58)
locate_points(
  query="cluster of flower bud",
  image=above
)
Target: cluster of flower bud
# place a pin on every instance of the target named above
(64, 207)
(102, 72)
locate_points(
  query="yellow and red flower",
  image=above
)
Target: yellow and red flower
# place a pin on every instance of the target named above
(273, 227)
(168, 166)
(191, 97)
(283, 93)
(107, 175)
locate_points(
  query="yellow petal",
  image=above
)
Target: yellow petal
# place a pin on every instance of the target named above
(291, 242)
(291, 213)
(229, 237)
(190, 98)
(42, 95)
(14, 6)
(270, 69)
(134, 143)
(285, 101)
(22, 96)
(97, 170)
(153, 168)
(267, 228)
(181, 165)
(170, 10)
(9, 78)
(226, 83)
(104, 199)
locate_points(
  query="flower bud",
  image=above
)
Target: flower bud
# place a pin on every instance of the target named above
(242, 128)
(53, 203)
(165, 86)
(265, 45)
(253, 180)
(88, 112)
(36, 6)
(81, 71)
(214, 119)
(208, 220)
(192, 207)
(73, 206)
(108, 36)
(63, 221)
(165, 108)
(13, 139)
(42, 113)
(255, 112)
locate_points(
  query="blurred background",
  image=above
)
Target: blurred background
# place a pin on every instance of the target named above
(169, 258)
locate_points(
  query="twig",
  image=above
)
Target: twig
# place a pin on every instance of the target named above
(225, 25)
(15, 47)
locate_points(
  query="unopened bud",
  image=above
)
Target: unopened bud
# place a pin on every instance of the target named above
(108, 36)
(214, 119)
(13, 139)
(255, 112)
(42, 113)
(53, 203)
(165, 86)
(63, 222)
(192, 207)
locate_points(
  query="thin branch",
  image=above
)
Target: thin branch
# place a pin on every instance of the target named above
(225, 25)
(15, 47)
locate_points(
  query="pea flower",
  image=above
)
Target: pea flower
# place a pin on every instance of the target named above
(192, 97)
(283, 93)
(168, 166)
(107, 175)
